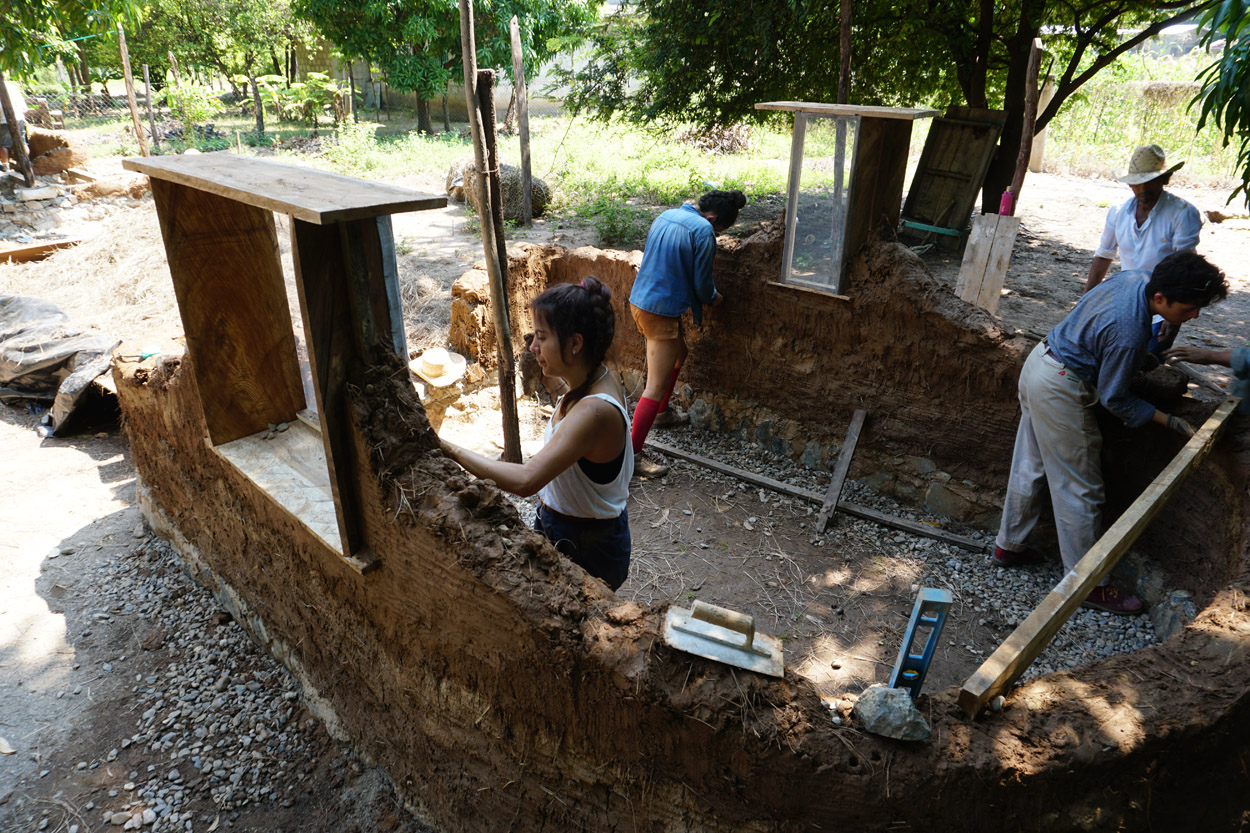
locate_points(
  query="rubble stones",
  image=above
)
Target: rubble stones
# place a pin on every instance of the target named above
(890, 712)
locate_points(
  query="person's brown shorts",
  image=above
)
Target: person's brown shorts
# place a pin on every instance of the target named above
(656, 327)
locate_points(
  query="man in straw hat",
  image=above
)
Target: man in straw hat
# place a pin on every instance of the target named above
(1151, 225)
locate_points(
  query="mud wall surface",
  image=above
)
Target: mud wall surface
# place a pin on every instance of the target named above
(787, 367)
(504, 689)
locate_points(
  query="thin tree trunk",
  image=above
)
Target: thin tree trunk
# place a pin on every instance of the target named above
(844, 54)
(494, 257)
(19, 144)
(260, 110)
(446, 111)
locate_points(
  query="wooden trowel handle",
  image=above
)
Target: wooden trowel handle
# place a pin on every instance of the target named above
(731, 619)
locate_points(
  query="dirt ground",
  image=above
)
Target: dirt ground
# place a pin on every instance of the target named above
(72, 657)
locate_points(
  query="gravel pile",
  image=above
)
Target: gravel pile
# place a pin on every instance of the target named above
(219, 728)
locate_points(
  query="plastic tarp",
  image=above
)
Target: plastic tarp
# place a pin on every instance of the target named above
(43, 358)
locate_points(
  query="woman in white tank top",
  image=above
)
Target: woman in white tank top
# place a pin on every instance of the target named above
(582, 473)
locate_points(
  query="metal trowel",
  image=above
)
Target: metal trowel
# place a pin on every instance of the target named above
(725, 636)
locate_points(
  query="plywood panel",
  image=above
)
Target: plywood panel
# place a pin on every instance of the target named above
(877, 189)
(952, 167)
(313, 196)
(223, 258)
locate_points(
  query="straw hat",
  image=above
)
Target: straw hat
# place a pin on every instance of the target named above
(439, 367)
(1147, 162)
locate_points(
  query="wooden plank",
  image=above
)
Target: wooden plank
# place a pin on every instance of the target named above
(821, 109)
(854, 510)
(877, 187)
(976, 257)
(840, 471)
(792, 194)
(34, 251)
(998, 673)
(312, 196)
(223, 258)
(333, 334)
(1000, 258)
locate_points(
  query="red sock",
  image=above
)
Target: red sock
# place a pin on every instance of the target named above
(644, 416)
(672, 384)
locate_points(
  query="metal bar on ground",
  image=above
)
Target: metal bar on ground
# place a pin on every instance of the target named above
(998, 673)
(854, 510)
(840, 470)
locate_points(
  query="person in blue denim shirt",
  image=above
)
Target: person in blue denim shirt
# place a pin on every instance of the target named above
(675, 276)
(1090, 357)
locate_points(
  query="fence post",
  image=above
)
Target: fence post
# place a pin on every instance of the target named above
(130, 92)
(147, 88)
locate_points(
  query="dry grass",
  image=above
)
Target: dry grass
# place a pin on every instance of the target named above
(116, 281)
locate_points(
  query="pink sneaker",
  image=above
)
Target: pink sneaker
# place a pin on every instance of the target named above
(1111, 600)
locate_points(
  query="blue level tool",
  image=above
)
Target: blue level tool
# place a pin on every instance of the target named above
(916, 652)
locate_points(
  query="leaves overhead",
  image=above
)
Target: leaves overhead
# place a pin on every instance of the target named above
(415, 44)
(34, 32)
(1224, 98)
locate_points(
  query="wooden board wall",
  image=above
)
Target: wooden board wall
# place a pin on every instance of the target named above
(223, 258)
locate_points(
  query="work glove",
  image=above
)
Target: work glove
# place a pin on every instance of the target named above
(1179, 425)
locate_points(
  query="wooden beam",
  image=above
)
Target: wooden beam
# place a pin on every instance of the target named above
(328, 301)
(998, 673)
(840, 471)
(34, 251)
(313, 196)
(823, 109)
(854, 510)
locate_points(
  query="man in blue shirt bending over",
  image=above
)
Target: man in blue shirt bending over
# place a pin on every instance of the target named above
(1091, 357)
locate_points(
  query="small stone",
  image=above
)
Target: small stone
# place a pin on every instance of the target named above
(996, 703)
(139, 532)
(119, 818)
(149, 816)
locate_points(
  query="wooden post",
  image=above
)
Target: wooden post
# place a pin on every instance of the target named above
(494, 254)
(834, 495)
(147, 89)
(518, 79)
(1030, 120)
(19, 146)
(130, 92)
(351, 80)
(998, 673)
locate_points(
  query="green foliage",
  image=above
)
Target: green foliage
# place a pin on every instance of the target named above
(34, 32)
(1225, 96)
(233, 38)
(618, 224)
(1142, 99)
(416, 43)
(194, 105)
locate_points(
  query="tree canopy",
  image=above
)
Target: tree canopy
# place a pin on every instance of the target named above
(34, 32)
(670, 61)
(416, 43)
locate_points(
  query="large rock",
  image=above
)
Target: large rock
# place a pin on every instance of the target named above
(460, 188)
(890, 712)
